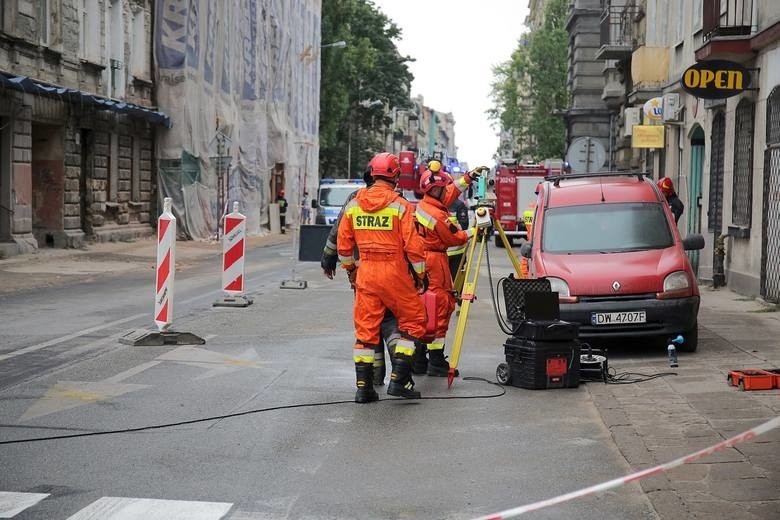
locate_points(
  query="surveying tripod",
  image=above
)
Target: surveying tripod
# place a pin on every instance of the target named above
(465, 284)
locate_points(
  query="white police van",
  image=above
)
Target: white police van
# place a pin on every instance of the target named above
(331, 196)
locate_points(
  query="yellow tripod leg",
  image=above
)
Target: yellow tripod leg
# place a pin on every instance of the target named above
(508, 249)
(457, 285)
(468, 296)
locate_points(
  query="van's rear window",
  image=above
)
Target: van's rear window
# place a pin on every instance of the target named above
(336, 195)
(606, 228)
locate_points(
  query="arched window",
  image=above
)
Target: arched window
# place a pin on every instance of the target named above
(742, 194)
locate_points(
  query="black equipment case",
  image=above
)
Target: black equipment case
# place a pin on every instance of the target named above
(538, 365)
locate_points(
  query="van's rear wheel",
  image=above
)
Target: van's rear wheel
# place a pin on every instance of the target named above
(499, 243)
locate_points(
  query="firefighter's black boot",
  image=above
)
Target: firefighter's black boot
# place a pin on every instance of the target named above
(365, 383)
(419, 361)
(401, 383)
(437, 363)
(379, 365)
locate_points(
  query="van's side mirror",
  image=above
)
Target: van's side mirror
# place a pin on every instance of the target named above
(525, 249)
(693, 242)
(314, 204)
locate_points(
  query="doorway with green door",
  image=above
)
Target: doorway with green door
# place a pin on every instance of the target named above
(693, 204)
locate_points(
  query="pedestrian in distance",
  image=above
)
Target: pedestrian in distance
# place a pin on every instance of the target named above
(329, 261)
(439, 234)
(380, 223)
(666, 186)
(282, 210)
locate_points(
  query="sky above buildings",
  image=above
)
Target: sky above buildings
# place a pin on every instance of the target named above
(456, 43)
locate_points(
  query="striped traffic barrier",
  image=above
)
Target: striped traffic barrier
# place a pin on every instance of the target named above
(166, 267)
(163, 295)
(233, 255)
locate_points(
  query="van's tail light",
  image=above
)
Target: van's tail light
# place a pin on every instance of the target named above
(676, 285)
(562, 288)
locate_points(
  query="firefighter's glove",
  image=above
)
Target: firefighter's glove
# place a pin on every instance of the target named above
(328, 264)
(476, 172)
(352, 275)
(421, 283)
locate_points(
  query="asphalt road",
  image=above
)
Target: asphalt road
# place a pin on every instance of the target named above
(63, 372)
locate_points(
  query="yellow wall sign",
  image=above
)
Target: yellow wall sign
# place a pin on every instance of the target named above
(647, 136)
(715, 79)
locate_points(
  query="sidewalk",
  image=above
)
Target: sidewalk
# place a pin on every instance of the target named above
(49, 267)
(666, 418)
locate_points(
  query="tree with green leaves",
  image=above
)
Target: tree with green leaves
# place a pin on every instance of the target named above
(529, 90)
(368, 69)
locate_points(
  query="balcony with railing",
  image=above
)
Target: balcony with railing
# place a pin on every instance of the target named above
(618, 32)
(726, 18)
(727, 27)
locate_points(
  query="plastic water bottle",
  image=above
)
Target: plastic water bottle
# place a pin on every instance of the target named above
(672, 350)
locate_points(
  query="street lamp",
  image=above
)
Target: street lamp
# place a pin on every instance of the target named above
(365, 104)
(339, 45)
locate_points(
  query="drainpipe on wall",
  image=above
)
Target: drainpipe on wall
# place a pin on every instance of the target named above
(718, 270)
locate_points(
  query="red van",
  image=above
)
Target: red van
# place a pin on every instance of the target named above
(610, 247)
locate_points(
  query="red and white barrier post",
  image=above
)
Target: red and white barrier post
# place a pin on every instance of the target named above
(166, 267)
(163, 295)
(233, 254)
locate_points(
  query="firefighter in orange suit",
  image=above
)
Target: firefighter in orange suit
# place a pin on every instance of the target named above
(391, 276)
(439, 234)
(454, 190)
(528, 220)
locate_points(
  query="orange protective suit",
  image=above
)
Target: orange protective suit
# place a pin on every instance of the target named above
(439, 234)
(381, 224)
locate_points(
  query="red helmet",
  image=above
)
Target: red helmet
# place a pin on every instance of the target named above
(281, 193)
(430, 180)
(385, 165)
(666, 186)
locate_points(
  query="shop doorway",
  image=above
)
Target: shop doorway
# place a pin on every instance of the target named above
(694, 190)
(85, 180)
(48, 185)
(6, 201)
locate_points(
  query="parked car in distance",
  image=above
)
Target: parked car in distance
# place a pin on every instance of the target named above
(609, 245)
(331, 196)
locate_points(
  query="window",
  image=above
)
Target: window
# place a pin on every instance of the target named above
(44, 21)
(742, 194)
(606, 228)
(679, 35)
(697, 14)
(138, 57)
(116, 35)
(89, 30)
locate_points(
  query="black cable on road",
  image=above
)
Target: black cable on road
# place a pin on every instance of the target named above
(247, 412)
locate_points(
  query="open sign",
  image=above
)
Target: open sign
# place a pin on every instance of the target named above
(715, 79)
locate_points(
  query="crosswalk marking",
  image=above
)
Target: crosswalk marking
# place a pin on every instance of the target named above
(11, 504)
(118, 508)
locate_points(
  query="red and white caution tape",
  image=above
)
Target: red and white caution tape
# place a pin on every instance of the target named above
(639, 475)
(233, 251)
(166, 266)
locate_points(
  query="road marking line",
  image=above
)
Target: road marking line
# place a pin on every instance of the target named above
(131, 372)
(118, 508)
(62, 339)
(11, 504)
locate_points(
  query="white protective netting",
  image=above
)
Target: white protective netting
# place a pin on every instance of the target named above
(248, 69)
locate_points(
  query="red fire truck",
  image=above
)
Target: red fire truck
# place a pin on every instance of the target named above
(515, 187)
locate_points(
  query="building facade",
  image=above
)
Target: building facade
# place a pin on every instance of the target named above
(588, 114)
(723, 155)
(423, 130)
(77, 132)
